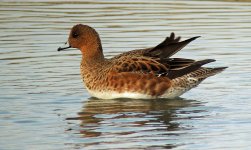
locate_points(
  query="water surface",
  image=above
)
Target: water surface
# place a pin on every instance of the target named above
(44, 104)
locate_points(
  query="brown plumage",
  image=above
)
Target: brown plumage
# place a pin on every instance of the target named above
(144, 73)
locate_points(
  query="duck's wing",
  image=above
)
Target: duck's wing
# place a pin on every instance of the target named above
(168, 47)
(165, 49)
(168, 67)
(138, 65)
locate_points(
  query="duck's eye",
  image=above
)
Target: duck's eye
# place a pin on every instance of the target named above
(75, 34)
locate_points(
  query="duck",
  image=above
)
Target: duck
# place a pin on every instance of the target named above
(147, 73)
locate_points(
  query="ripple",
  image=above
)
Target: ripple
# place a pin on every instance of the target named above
(41, 88)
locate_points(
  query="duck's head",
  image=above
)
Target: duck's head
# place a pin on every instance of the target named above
(84, 38)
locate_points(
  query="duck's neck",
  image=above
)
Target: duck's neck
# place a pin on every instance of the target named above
(92, 53)
(92, 64)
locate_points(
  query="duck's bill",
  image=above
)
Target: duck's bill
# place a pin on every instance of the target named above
(63, 48)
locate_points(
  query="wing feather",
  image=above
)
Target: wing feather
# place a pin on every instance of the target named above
(165, 49)
(169, 67)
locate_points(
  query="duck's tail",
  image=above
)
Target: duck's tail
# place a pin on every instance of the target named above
(203, 73)
(188, 81)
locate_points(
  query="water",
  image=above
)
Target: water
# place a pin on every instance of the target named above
(44, 104)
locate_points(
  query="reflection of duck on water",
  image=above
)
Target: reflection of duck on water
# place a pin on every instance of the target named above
(125, 117)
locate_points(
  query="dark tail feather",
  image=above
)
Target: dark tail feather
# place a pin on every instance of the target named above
(211, 72)
(193, 67)
(170, 46)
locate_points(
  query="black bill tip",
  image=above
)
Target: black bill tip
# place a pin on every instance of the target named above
(63, 48)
